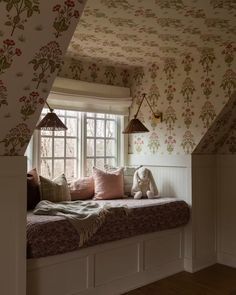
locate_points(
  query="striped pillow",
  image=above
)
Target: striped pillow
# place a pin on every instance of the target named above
(55, 190)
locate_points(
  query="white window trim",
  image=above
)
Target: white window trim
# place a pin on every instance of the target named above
(121, 146)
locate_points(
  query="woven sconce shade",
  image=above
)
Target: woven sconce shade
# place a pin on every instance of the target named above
(135, 126)
(51, 122)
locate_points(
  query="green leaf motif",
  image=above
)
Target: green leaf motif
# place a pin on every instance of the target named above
(8, 23)
(28, 4)
(9, 6)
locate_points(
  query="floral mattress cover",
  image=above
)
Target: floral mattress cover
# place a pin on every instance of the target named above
(52, 235)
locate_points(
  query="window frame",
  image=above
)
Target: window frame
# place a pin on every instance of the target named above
(81, 145)
(116, 138)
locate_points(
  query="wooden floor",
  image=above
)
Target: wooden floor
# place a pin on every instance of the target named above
(215, 280)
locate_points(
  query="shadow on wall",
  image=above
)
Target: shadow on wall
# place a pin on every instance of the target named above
(166, 189)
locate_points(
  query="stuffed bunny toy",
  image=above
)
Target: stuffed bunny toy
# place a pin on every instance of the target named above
(144, 184)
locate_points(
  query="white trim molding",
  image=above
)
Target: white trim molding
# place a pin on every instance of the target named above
(13, 225)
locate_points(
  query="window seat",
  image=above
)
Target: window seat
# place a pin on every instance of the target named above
(53, 235)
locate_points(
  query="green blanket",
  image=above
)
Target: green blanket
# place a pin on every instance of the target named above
(86, 217)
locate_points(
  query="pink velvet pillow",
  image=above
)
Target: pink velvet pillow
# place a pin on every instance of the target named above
(82, 188)
(108, 185)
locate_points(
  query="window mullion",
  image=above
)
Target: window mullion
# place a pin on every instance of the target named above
(53, 132)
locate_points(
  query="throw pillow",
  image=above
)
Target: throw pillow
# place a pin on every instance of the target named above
(55, 190)
(33, 189)
(82, 188)
(128, 177)
(108, 185)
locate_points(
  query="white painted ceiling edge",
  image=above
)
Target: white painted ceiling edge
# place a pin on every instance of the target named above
(89, 97)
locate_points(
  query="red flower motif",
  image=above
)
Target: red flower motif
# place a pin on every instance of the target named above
(56, 7)
(18, 52)
(9, 42)
(76, 13)
(34, 94)
(22, 98)
(69, 3)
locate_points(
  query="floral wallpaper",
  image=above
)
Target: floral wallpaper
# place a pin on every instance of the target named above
(96, 72)
(34, 36)
(221, 136)
(191, 92)
(141, 32)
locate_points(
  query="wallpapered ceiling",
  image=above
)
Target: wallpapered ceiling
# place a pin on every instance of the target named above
(34, 36)
(140, 32)
(96, 72)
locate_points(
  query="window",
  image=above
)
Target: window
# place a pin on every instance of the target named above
(58, 151)
(101, 140)
(91, 140)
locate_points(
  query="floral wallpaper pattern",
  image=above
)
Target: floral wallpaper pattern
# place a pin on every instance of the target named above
(221, 136)
(96, 72)
(33, 40)
(140, 33)
(190, 92)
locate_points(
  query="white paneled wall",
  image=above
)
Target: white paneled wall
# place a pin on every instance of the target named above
(226, 210)
(172, 174)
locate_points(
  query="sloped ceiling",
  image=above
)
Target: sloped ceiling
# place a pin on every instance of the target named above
(221, 136)
(139, 32)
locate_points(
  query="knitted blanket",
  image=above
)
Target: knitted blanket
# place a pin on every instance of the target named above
(86, 217)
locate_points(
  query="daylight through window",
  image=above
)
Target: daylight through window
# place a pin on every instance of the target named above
(91, 140)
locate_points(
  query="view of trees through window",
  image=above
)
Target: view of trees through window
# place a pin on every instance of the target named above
(101, 136)
(79, 147)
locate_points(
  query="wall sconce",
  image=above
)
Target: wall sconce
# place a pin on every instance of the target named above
(135, 125)
(51, 122)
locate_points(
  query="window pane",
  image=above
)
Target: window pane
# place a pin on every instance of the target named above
(89, 167)
(46, 147)
(90, 115)
(100, 147)
(71, 168)
(90, 127)
(46, 168)
(90, 147)
(45, 132)
(111, 162)
(100, 128)
(71, 124)
(71, 147)
(71, 113)
(100, 116)
(110, 116)
(60, 112)
(100, 163)
(59, 147)
(58, 167)
(110, 147)
(61, 132)
(110, 129)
